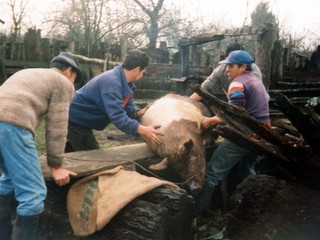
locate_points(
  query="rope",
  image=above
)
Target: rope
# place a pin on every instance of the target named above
(143, 168)
(155, 175)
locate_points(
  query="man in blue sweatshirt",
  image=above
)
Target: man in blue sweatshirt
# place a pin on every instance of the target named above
(108, 98)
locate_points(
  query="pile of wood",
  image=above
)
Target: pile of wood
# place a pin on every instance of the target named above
(292, 145)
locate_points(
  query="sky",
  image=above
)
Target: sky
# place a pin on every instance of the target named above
(298, 16)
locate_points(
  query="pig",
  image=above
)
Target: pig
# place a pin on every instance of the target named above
(179, 118)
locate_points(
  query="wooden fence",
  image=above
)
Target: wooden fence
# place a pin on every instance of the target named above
(35, 51)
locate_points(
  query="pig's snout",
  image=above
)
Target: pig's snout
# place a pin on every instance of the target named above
(194, 188)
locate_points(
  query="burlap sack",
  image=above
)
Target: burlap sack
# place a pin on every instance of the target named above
(94, 200)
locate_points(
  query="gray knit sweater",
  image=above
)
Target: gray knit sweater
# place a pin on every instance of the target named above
(31, 95)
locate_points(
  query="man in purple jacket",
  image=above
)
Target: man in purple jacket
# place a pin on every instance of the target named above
(247, 91)
(108, 98)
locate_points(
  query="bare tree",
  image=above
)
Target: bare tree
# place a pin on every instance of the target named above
(81, 21)
(154, 15)
(164, 22)
(89, 22)
(18, 13)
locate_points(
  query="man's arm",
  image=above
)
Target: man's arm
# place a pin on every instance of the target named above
(217, 80)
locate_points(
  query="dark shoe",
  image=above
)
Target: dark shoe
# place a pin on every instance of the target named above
(25, 227)
(202, 200)
(6, 205)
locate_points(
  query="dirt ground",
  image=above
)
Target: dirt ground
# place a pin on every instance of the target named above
(292, 212)
(280, 211)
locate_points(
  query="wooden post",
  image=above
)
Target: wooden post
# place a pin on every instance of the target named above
(32, 41)
(185, 61)
(181, 87)
(3, 76)
(194, 61)
(277, 65)
(265, 43)
(44, 50)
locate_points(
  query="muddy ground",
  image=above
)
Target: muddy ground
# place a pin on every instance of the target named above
(287, 212)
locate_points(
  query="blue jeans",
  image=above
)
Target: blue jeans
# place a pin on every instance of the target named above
(20, 170)
(225, 157)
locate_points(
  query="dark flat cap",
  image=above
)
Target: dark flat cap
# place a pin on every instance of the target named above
(69, 60)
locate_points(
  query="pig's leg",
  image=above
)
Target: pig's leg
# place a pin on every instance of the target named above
(160, 166)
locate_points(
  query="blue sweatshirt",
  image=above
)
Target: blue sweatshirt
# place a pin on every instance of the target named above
(105, 99)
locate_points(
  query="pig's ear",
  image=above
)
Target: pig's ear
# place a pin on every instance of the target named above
(160, 166)
(186, 146)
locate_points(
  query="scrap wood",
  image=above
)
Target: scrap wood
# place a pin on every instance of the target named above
(302, 159)
(261, 147)
(307, 122)
(258, 146)
(238, 118)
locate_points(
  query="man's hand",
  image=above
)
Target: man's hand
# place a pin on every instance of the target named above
(150, 132)
(61, 176)
(208, 122)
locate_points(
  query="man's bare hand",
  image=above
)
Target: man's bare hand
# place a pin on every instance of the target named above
(150, 132)
(208, 122)
(61, 176)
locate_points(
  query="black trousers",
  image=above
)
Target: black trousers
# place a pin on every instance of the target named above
(80, 139)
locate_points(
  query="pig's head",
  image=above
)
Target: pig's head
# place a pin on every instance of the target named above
(192, 164)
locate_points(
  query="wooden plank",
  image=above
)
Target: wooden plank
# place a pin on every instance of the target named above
(85, 163)
(201, 39)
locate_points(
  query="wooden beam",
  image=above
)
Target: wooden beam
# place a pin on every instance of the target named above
(85, 163)
(200, 40)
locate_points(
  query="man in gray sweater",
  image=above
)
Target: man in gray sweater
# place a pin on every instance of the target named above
(27, 97)
(218, 82)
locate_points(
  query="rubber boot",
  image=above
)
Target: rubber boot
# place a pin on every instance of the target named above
(202, 201)
(25, 227)
(6, 204)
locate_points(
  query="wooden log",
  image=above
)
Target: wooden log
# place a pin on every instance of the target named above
(106, 63)
(164, 213)
(89, 60)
